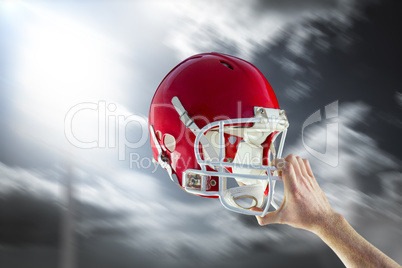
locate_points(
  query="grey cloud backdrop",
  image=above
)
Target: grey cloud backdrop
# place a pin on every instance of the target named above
(55, 55)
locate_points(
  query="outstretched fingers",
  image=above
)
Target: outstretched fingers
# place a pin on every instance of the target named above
(308, 167)
(302, 166)
(295, 164)
(286, 171)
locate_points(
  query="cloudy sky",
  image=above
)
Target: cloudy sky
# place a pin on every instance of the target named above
(76, 81)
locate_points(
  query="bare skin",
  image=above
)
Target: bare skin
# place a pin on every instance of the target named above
(305, 206)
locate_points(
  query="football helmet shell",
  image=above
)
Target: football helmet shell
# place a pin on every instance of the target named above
(215, 117)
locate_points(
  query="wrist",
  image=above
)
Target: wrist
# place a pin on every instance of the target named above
(329, 224)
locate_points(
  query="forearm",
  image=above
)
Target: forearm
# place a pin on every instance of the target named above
(351, 248)
(305, 206)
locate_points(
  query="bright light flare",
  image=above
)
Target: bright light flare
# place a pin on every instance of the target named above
(9, 5)
(61, 62)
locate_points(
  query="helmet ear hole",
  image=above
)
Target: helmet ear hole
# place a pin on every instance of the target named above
(170, 142)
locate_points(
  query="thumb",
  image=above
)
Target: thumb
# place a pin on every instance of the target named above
(271, 217)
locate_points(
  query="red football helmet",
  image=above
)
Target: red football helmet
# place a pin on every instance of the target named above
(213, 122)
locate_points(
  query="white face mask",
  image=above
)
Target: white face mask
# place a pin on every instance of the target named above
(251, 177)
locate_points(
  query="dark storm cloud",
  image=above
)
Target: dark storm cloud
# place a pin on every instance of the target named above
(114, 212)
(27, 220)
(32, 207)
(398, 98)
(297, 5)
(364, 71)
(100, 222)
(257, 25)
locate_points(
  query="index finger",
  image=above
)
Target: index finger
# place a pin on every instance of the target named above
(286, 168)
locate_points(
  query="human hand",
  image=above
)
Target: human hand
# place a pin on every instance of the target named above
(304, 205)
